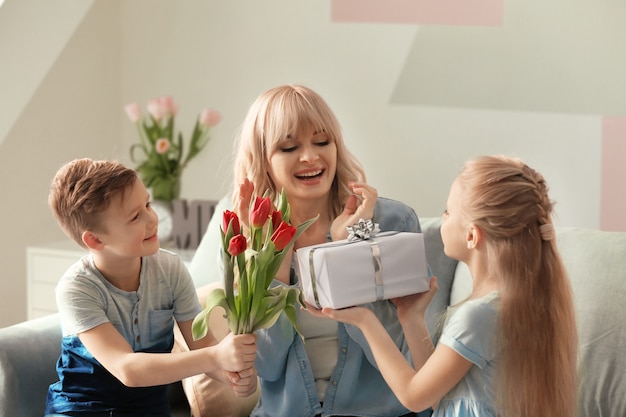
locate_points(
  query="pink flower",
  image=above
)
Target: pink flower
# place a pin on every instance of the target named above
(155, 109)
(210, 118)
(168, 105)
(260, 211)
(237, 245)
(133, 111)
(162, 146)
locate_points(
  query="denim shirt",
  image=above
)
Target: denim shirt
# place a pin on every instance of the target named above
(356, 386)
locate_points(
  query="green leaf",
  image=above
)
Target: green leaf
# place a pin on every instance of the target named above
(292, 316)
(229, 281)
(199, 326)
(137, 146)
(269, 316)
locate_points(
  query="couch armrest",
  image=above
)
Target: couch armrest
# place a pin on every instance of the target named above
(28, 355)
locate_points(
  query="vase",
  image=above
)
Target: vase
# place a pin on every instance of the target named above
(163, 209)
(166, 188)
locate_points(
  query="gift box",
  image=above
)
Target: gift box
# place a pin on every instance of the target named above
(346, 273)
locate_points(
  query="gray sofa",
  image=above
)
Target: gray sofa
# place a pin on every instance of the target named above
(595, 260)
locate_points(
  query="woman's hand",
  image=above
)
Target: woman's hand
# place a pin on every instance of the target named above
(243, 203)
(353, 211)
(352, 315)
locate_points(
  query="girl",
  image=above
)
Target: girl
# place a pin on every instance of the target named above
(510, 348)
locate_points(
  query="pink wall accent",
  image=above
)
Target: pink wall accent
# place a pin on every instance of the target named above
(613, 191)
(428, 12)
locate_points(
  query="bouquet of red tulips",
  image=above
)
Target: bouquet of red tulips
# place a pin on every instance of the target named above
(253, 304)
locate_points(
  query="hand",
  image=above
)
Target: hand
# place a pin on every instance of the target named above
(353, 211)
(243, 204)
(237, 352)
(243, 383)
(350, 315)
(414, 305)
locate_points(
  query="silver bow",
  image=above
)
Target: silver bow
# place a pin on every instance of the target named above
(364, 230)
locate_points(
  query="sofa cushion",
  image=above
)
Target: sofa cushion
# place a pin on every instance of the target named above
(596, 265)
(442, 267)
(202, 267)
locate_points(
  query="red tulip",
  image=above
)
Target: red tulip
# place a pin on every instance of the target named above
(283, 235)
(277, 218)
(260, 211)
(229, 217)
(237, 245)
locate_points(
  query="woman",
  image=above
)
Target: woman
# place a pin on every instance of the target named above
(291, 140)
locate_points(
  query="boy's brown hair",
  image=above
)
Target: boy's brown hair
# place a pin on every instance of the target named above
(82, 190)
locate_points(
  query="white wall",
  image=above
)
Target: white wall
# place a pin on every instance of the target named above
(69, 115)
(223, 54)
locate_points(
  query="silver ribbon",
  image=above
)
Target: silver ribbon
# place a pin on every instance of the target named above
(367, 230)
(364, 230)
(378, 273)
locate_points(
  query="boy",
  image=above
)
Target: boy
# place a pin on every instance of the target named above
(118, 303)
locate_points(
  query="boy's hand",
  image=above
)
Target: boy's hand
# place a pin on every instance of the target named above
(353, 210)
(243, 383)
(237, 352)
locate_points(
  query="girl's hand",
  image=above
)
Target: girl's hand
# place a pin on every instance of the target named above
(352, 315)
(414, 305)
(353, 211)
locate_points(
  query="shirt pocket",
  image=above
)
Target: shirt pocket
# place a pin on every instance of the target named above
(161, 324)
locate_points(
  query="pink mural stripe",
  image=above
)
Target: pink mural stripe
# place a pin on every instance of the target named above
(613, 189)
(427, 12)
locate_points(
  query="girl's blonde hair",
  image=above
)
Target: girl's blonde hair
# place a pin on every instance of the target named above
(509, 203)
(277, 113)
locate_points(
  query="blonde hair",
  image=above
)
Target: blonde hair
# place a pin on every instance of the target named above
(508, 201)
(82, 190)
(277, 113)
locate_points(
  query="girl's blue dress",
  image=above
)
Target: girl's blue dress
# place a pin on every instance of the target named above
(471, 330)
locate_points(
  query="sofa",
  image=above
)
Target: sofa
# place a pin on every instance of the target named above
(595, 261)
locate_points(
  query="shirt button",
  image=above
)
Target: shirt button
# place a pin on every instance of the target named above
(344, 350)
(138, 339)
(334, 383)
(136, 321)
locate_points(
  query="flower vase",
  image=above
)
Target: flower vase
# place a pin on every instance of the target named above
(166, 188)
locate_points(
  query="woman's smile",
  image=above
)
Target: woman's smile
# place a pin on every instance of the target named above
(310, 175)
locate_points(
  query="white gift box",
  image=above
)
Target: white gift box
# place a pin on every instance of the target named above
(346, 273)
